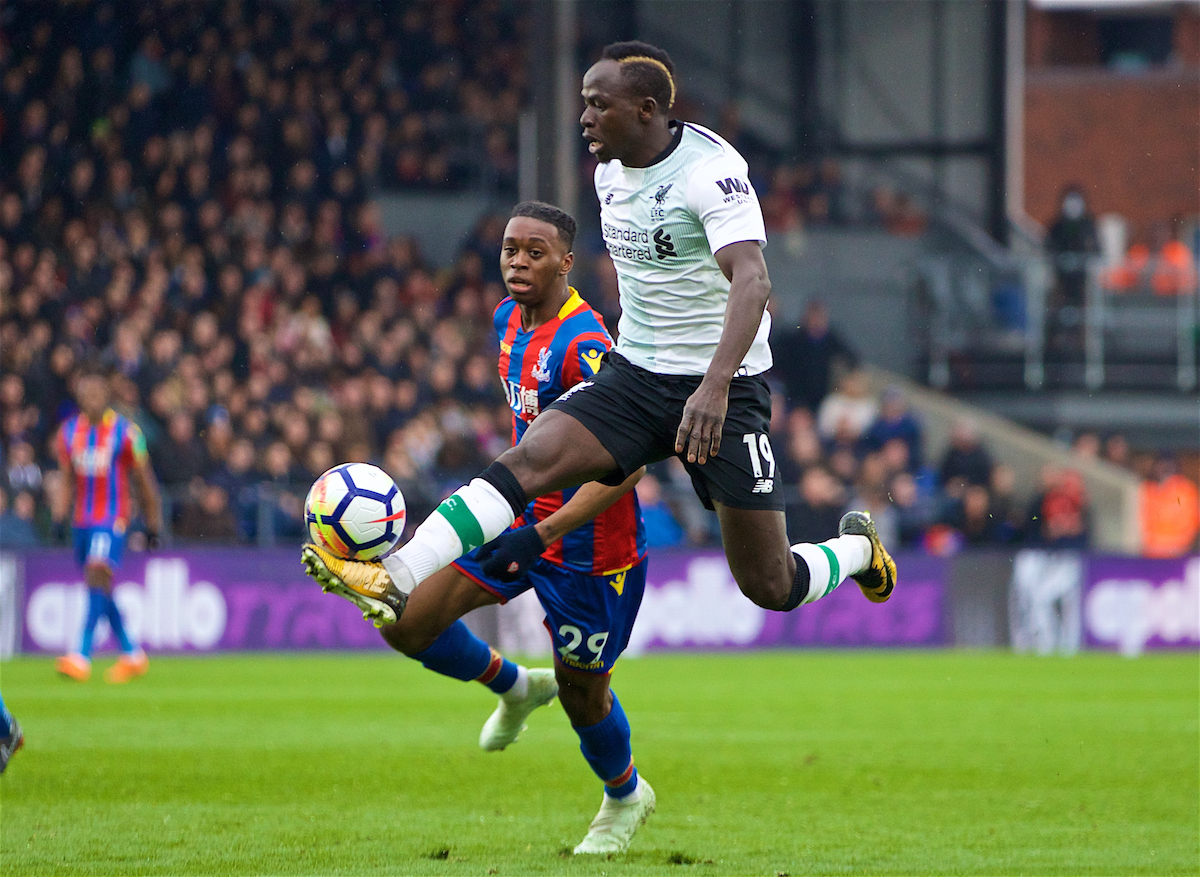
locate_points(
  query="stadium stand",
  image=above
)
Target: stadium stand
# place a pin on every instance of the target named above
(186, 192)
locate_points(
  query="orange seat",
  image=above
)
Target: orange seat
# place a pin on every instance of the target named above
(1174, 271)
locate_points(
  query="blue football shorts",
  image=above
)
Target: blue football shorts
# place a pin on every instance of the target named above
(103, 545)
(589, 617)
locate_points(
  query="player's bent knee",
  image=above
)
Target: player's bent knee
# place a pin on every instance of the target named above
(97, 575)
(765, 590)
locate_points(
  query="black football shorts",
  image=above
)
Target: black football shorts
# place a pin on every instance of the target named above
(635, 414)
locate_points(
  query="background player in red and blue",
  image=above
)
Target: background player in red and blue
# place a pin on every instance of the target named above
(103, 455)
(592, 569)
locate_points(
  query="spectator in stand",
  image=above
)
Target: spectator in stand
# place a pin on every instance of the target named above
(821, 504)
(871, 493)
(662, 530)
(1170, 511)
(913, 512)
(1071, 241)
(17, 528)
(966, 459)
(207, 517)
(972, 517)
(23, 471)
(895, 421)
(849, 411)
(1116, 450)
(806, 357)
(1058, 516)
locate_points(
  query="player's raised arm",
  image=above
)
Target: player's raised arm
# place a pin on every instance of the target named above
(589, 501)
(749, 289)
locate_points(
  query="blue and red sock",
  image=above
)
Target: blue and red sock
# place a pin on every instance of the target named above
(97, 606)
(113, 614)
(606, 747)
(102, 605)
(460, 654)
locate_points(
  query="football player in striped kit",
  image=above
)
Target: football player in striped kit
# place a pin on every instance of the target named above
(103, 456)
(587, 560)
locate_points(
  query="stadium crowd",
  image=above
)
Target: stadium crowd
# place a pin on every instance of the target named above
(185, 194)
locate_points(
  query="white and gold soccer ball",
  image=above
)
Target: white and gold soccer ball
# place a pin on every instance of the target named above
(355, 511)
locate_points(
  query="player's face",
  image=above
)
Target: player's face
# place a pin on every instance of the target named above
(92, 394)
(611, 118)
(532, 259)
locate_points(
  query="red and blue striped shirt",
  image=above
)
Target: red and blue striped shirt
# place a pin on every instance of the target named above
(100, 456)
(535, 369)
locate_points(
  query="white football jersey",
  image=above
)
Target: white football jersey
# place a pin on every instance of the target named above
(662, 225)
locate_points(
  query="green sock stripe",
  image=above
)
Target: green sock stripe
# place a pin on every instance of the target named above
(835, 569)
(454, 509)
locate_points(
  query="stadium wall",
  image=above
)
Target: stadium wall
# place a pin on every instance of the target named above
(207, 600)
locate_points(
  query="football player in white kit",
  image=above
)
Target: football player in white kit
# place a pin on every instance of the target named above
(685, 230)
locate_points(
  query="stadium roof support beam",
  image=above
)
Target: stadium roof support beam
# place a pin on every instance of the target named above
(553, 130)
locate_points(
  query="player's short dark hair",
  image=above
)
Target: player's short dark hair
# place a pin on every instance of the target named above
(646, 69)
(560, 219)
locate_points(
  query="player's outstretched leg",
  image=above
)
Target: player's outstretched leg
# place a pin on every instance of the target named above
(11, 737)
(779, 577)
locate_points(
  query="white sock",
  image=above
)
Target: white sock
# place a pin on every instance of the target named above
(831, 561)
(635, 795)
(520, 688)
(472, 515)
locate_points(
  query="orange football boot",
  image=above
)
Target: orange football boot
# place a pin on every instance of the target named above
(75, 667)
(127, 667)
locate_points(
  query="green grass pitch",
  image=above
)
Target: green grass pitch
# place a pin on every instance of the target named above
(771, 763)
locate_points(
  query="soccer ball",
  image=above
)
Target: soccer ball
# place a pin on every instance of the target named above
(355, 511)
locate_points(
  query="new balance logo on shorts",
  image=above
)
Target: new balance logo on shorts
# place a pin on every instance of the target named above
(764, 485)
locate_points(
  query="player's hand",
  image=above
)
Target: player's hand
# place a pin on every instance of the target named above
(703, 418)
(509, 555)
(152, 540)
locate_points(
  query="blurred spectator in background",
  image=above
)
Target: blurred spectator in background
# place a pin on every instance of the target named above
(1170, 511)
(966, 460)
(1071, 241)
(1058, 516)
(207, 516)
(662, 530)
(1116, 450)
(17, 528)
(846, 413)
(895, 421)
(819, 508)
(806, 357)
